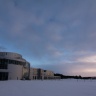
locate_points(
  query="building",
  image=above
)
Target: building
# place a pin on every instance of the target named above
(33, 73)
(36, 73)
(48, 74)
(40, 74)
(13, 66)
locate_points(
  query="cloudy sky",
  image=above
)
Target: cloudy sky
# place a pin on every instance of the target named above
(58, 35)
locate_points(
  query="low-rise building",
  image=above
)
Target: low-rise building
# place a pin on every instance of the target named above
(36, 73)
(33, 73)
(40, 74)
(48, 74)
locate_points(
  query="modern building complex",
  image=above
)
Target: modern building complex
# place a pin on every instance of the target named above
(14, 67)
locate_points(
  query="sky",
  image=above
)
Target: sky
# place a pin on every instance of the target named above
(57, 35)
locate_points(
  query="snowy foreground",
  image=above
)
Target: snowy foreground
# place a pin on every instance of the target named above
(48, 88)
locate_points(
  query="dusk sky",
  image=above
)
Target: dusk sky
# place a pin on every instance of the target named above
(58, 35)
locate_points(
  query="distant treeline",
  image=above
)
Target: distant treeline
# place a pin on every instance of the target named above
(73, 77)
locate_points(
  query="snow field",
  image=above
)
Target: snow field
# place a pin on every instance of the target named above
(48, 88)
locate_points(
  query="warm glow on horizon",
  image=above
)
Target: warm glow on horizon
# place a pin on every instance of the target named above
(91, 59)
(84, 71)
(89, 70)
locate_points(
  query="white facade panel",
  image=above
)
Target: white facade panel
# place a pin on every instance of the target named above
(15, 72)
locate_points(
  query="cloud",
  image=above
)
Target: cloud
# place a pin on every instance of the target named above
(54, 32)
(91, 59)
(41, 24)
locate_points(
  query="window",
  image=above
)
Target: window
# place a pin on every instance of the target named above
(3, 66)
(8, 61)
(3, 75)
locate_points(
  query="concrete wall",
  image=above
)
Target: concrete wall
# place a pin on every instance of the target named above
(15, 72)
(31, 73)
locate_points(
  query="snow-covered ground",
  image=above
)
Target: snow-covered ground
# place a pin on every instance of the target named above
(48, 88)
